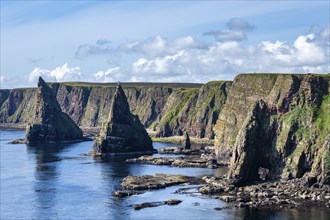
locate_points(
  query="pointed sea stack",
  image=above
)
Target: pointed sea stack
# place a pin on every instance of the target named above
(49, 123)
(186, 141)
(123, 133)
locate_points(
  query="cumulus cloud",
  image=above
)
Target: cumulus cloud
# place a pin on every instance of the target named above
(223, 60)
(189, 60)
(159, 46)
(59, 74)
(111, 75)
(239, 24)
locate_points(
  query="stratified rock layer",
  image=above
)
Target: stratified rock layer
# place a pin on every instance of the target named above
(123, 132)
(48, 123)
(276, 122)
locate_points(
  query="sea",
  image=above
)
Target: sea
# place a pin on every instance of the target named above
(58, 181)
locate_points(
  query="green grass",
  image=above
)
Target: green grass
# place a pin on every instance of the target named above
(132, 84)
(322, 121)
(179, 139)
(172, 116)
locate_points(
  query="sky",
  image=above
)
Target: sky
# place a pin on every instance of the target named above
(160, 41)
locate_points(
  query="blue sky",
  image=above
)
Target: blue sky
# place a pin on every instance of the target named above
(179, 41)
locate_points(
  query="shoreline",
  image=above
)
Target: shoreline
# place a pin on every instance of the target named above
(94, 131)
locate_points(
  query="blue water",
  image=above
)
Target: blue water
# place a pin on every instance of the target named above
(57, 181)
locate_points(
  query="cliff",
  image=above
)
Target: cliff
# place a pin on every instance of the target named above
(279, 123)
(48, 123)
(122, 132)
(192, 110)
(88, 104)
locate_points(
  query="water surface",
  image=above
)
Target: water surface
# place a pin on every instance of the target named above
(57, 181)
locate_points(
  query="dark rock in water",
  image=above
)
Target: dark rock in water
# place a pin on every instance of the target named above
(18, 141)
(49, 123)
(158, 181)
(173, 202)
(122, 194)
(155, 204)
(123, 132)
(186, 141)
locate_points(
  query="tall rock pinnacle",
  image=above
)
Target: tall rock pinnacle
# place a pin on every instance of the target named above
(48, 122)
(123, 132)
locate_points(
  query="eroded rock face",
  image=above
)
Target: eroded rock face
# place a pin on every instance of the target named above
(192, 110)
(278, 122)
(123, 132)
(49, 123)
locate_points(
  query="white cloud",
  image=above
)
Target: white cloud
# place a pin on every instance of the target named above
(59, 74)
(223, 60)
(307, 52)
(2, 79)
(186, 59)
(160, 46)
(110, 75)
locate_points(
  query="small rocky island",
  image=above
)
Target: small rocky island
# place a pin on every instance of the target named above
(123, 133)
(48, 122)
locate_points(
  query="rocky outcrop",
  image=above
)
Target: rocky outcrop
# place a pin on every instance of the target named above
(192, 161)
(269, 195)
(158, 181)
(48, 123)
(277, 122)
(123, 132)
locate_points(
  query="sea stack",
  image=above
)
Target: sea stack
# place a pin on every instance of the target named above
(186, 141)
(123, 133)
(48, 122)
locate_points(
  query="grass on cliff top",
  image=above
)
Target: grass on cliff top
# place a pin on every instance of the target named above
(134, 84)
(180, 139)
(215, 83)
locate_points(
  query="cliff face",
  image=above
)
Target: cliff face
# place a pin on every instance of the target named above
(277, 122)
(48, 123)
(122, 132)
(88, 104)
(192, 110)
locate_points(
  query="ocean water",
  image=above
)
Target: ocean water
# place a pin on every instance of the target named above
(57, 181)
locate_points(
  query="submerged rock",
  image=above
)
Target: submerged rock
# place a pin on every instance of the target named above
(123, 132)
(49, 123)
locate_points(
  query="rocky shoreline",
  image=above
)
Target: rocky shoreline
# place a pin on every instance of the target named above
(283, 194)
(276, 195)
(191, 161)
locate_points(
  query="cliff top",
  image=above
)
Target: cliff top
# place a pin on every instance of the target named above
(134, 84)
